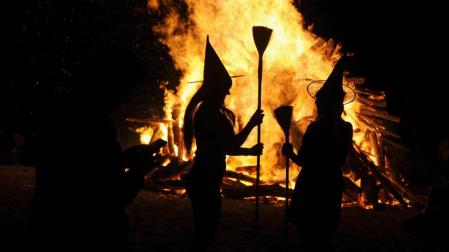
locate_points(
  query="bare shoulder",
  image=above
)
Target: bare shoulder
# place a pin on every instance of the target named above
(347, 127)
(201, 112)
(312, 126)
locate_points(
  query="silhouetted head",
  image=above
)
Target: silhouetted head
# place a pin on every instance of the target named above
(216, 85)
(329, 109)
(216, 80)
(108, 77)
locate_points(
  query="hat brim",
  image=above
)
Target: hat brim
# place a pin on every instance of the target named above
(314, 86)
(232, 76)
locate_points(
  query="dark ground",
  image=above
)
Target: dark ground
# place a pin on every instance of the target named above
(163, 223)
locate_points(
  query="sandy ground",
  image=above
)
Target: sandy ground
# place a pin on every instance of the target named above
(163, 223)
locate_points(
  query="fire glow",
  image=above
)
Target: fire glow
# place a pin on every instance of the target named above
(294, 58)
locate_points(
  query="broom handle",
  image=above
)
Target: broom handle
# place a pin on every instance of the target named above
(259, 105)
(287, 181)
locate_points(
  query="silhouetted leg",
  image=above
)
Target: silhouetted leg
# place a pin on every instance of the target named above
(206, 208)
(316, 241)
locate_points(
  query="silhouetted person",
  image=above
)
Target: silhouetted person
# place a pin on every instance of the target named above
(316, 201)
(212, 124)
(433, 223)
(82, 188)
(6, 146)
(443, 156)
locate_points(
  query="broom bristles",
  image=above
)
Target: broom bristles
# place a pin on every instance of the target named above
(283, 116)
(261, 37)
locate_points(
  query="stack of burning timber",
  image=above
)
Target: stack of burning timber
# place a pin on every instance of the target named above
(294, 58)
(371, 181)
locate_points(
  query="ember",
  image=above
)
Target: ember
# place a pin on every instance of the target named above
(294, 58)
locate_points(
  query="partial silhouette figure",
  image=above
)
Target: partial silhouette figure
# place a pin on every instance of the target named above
(6, 146)
(84, 181)
(212, 124)
(432, 224)
(443, 156)
(316, 200)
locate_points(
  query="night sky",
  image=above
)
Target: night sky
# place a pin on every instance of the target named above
(397, 46)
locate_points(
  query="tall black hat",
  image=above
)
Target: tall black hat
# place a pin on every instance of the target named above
(332, 90)
(215, 72)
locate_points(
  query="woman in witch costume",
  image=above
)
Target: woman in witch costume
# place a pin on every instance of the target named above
(316, 201)
(212, 124)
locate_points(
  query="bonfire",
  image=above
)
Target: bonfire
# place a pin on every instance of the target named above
(294, 58)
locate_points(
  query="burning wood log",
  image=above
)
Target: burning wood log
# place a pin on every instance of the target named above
(366, 124)
(319, 45)
(330, 49)
(355, 80)
(376, 95)
(395, 144)
(172, 170)
(378, 153)
(380, 177)
(414, 200)
(399, 179)
(147, 121)
(249, 191)
(240, 176)
(370, 189)
(384, 124)
(379, 114)
(168, 186)
(251, 169)
(375, 125)
(389, 133)
(369, 102)
(351, 189)
(171, 138)
(177, 131)
(230, 182)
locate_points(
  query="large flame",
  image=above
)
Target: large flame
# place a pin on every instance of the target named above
(294, 57)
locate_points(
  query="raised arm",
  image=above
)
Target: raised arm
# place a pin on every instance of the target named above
(235, 148)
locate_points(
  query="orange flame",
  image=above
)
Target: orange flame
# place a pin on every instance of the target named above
(294, 57)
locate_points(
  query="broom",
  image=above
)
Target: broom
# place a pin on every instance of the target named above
(261, 37)
(283, 116)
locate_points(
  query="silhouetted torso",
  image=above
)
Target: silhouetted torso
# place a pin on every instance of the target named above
(81, 187)
(317, 195)
(213, 133)
(211, 124)
(79, 192)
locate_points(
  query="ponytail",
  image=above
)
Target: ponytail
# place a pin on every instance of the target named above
(188, 119)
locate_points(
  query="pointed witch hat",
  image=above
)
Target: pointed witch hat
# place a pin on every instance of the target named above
(332, 89)
(214, 70)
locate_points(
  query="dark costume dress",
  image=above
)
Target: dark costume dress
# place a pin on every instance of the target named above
(316, 200)
(79, 201)
(213, 128)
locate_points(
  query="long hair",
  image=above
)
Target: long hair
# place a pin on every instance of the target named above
(188, 118)
(188, 130)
